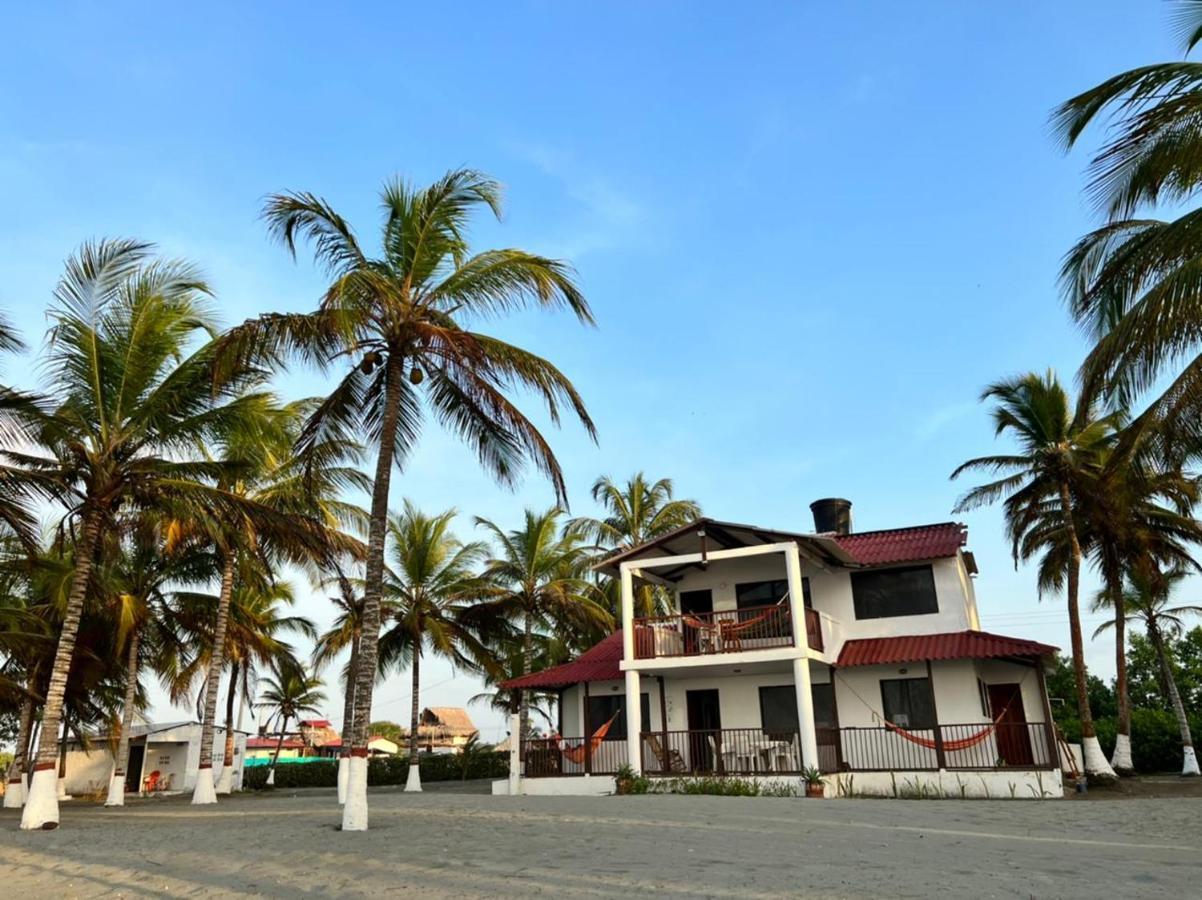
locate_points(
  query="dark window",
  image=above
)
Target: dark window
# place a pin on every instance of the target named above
(908, 702)
(778, 711)
(752, 597)
(601, 709)
(894, 592)
(805, 593)
(824, 705)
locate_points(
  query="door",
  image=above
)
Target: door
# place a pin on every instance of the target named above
(693, 603)
(1013, 737)
(705, 735)
(133, 771)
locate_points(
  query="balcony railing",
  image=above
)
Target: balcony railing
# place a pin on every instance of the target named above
(727, 631)
(554, 757)
(724, 751)
(1008, 745)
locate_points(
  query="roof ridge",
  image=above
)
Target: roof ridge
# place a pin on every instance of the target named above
(855, 534)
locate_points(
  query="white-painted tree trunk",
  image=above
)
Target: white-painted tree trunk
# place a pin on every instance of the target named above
(1120, 760)
(343, 772)
(41, 803)
(1096, 765)
(14, 794)
(116, 794)
(354, 811)
(62, 789)
(205, 791)
(271, 777)
(1191, 763)
(413, 784)
(225, 781)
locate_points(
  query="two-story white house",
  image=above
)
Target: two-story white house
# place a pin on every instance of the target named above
(859, 654)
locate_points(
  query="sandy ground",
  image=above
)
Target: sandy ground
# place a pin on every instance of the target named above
(457, 843)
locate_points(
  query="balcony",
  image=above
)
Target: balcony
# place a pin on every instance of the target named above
(714, 633)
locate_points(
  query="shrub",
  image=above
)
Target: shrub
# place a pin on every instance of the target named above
(1155, 740)
(383, 770)
(723, 786)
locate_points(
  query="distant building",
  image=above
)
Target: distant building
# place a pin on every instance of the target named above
(445, 729)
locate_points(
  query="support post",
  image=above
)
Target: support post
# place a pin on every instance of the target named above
(940, 756)
(838, 735)
(801, 664)
(634, 720)
(663, 728)
(515, 758)
(1049, 726)
(588, 735)
(627, 579)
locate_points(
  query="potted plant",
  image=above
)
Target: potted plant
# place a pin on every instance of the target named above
(815, 783)
(624, 779)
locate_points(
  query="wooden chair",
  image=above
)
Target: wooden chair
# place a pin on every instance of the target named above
(670, 759)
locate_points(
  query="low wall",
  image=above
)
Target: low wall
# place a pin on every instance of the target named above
(996, 785)
(582, 786)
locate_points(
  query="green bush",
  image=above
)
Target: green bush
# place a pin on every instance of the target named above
(1155, 739)
(723, 786)
(384, 770)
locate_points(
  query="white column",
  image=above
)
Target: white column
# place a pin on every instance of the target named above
(515, 757)
(627, 613)
(801, 664)
(634, 721)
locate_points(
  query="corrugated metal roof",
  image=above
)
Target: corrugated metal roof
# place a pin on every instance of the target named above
(947, 645)
(598, 663)
(896, 545)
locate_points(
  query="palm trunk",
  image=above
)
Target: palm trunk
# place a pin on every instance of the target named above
(206, 790)
(1096, 766)
(14, 792)
(275, 758)
(414, 781)
(348, 717)
(354, 813)
(524, 702)
(61, 785)
(1120, 760)
(225, 784)
(116, 794)
(1190, 759)
(41, 807)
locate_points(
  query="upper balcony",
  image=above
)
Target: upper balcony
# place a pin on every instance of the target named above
(725, 631)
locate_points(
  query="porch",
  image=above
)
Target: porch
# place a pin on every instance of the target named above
(711, 633)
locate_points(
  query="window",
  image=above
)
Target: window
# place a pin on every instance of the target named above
(908, 702)
(894, 592)
(778, 711)
(601, 709)
(805, 592)
(752, 597)
(824, 704)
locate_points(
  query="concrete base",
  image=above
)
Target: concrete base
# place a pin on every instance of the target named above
(343, 769)
(41, 802)
(205, 791)
(994, 785)
(354, 811)
(584, 786)
(14, 793)
(413, 784)
(116, 794)
(225, 782)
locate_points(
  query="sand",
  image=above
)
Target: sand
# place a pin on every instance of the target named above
(447, 842)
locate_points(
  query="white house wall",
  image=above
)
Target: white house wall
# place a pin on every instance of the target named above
(174, 753)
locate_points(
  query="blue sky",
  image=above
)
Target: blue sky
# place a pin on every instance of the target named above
(810, 233)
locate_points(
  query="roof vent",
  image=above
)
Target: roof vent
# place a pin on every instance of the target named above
(832, 514)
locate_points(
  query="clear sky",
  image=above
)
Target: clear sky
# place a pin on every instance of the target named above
(810, 232)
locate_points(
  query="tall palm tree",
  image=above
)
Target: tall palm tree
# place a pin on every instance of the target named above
(538, 577)
(288, 693)
(634, 513)
(430, 586)
(1146, 598)
(135, 396)
(1135, 281)
(1057, 448)
(400, 320)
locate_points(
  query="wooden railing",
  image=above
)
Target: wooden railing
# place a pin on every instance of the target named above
(554, 757)
(727, 631)
(1009, 745)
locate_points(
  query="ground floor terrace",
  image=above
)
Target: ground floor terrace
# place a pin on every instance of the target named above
(440, 844)
(882, 724)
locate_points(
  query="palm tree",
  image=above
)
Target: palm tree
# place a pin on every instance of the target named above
(403, 314)
(1058, 448)
(1134, 282)
(1146, 599)
(133, 402)
(430, 586)
(539, 577)
(288, 693)
(636, 512)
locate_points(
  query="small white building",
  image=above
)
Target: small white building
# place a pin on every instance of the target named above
(163, 757)
(858, 654)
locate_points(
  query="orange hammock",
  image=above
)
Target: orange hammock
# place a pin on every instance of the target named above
(577, 754)
(734, 627)
(959, 743)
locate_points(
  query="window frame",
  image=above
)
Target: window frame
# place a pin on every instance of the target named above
(617, 731)
(909, 682)
(860, 601)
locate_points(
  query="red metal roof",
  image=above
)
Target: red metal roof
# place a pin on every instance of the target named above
(896, 545)
(269, 743)
(599, 663)
(948, 645)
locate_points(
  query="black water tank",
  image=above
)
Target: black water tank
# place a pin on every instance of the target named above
(832, 514)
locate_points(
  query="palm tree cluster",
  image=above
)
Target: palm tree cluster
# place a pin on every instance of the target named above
(154, 489)
(1111, 478)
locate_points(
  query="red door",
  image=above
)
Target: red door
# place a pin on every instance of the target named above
(1013, 736)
